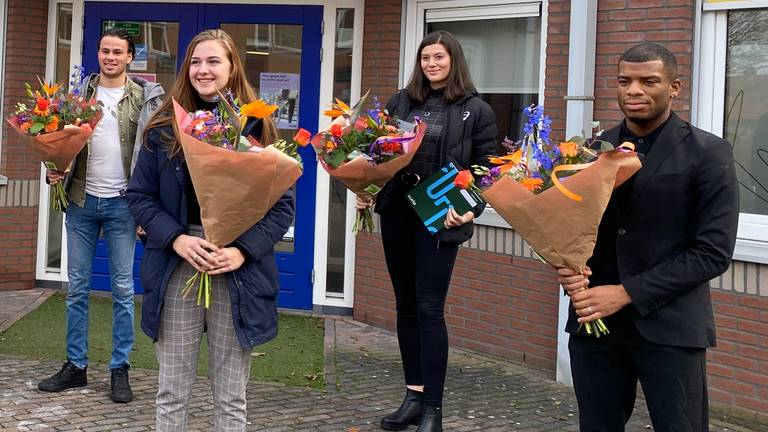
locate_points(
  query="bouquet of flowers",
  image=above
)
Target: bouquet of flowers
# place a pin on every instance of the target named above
(530, 189)
(56, 125)
(236, 179)
(365, 150)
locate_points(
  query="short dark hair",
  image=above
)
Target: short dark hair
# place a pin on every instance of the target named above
(649, 51)
(459, 82)
(120, 34)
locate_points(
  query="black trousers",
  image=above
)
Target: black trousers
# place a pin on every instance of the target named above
(420, 270)
(606, 371)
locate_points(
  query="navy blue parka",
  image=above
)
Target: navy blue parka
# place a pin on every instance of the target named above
(157, 198)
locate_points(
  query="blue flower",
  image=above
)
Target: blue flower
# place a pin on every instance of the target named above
(543, 160)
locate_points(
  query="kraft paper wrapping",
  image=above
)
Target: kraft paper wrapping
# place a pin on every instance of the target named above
(359, 173)
(60, 147)
(563, 231)
(234, 189)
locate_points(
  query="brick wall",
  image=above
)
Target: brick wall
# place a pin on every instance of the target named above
(381, 48)
(738, 366)
(624, 23)
(24, 59)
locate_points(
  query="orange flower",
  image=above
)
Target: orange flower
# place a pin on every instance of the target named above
(464, 180)
(569, 149)
(41, 107)
(25, 126)
(329, 145)
(50, 90)
(258, 109)
(337, 109)
(532, 184)
(53, 125)
(302, 137)
(512, 158)
(336, 130)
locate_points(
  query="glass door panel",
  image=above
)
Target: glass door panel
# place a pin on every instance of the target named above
(337, 195)
(280, 46)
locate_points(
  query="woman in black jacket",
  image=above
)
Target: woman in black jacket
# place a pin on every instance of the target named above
(461, 128)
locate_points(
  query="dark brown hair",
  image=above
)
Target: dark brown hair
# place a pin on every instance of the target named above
(458, 82)
(120, 34)
(184, 93)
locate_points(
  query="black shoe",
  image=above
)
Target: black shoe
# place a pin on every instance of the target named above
(70, 376)
(121, 389)
(432, 420)
(409, 412)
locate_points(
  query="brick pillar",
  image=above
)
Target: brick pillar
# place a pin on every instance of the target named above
(25, 54)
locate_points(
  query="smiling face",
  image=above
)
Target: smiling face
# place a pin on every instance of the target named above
(209, 69)
(436, 65)
(113, 57)
(645, 92)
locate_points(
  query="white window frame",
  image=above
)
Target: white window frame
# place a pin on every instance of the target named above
(320, 294)
(708, 100)
(425, 11)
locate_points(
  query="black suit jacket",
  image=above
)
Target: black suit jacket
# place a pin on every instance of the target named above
(674, 233)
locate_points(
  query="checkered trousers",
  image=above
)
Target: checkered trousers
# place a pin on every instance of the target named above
(181, 330)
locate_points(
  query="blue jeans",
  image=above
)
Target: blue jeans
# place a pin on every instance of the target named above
(111, 216)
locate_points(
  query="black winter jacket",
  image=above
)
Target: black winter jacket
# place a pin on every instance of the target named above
(469, 139)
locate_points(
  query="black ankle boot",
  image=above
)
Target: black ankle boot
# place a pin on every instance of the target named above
(69, 376)
(121, 389)
(409, 412)
(432, 420)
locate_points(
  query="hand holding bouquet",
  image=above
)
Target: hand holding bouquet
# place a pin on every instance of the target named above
(557, 215)
(236, 180)
(56, 125)
(365, 150)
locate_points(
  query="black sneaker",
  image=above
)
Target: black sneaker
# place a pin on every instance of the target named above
(70, 376)
(121, 389)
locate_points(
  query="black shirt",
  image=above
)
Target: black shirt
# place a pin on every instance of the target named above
(611, 224)
(428, 159)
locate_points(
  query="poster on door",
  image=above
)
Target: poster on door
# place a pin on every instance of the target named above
(281, 89)
(139, 62)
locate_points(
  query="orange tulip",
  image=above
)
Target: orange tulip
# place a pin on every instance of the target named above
(302, 137)
(53, 125)
(464, 180)
(569, 149)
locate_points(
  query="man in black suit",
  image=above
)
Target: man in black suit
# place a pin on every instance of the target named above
(665, 234)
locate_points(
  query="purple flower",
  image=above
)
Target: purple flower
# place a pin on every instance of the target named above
(486, 181)
(495, 172)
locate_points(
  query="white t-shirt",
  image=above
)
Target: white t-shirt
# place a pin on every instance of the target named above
(106, 175)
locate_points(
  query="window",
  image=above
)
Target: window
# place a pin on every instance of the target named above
(503, 44)
(732, 74)
(64, 24)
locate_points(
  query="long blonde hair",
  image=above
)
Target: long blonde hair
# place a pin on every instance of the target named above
(183, 92)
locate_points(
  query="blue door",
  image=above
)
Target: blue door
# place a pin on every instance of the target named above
(280, 47)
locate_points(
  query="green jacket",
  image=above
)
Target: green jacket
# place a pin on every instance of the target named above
(135, 108)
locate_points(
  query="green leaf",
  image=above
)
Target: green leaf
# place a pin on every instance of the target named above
(336, 158)
(577, 139)
(603, 145)
(36, 127)
(242, 144)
